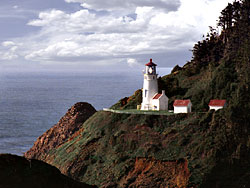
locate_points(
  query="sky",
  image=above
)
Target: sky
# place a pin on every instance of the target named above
(97, 35)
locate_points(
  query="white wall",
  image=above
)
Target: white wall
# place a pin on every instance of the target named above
(180, 109)
(146, 106)
(183, 109)
(215, 107)
(163, 102)
(155, 102)
(151, 85)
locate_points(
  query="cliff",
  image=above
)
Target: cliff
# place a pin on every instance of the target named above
(67, 126)
(16, 171)
(184, 150)
(199, 149)
(157, 173)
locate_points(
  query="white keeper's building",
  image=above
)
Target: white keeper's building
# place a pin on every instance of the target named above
(151, 99)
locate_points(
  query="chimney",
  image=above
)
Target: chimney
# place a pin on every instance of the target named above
(163, 92)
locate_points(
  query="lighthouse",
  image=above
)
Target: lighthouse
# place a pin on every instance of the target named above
(151, 99)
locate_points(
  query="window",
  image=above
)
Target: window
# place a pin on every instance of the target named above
(146, 91)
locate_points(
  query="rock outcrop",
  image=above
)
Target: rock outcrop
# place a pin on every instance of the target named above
(68, 125)
(16, 171)
(156, 173)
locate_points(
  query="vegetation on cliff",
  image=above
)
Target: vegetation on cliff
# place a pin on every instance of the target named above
(200, 149)
(108, 145)
(219, 68)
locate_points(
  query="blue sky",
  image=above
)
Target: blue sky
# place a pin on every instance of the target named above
(101, 35)
(15, 14)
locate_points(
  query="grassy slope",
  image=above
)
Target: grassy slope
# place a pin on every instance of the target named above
(109, 143)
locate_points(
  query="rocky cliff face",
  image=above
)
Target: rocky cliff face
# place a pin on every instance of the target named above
(68, 125)
(16, 171)
(156, 173)
(122, 150)
(183, 150)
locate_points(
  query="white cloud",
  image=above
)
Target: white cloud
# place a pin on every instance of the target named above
(132, 62)
(161, 28)
(8, 43)
(8, 51)
(103, 36)
(46, 18)
(127, 6)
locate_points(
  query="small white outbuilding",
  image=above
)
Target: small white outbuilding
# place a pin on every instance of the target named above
(160, 101)
(216, 104)
(182, 106)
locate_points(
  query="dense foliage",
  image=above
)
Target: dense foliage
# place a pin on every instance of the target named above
(219, 69)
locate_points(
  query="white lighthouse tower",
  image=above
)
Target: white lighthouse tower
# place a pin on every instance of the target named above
(151, 99)
(150, 86)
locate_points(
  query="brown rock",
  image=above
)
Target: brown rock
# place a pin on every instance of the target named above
(149, 172)
(69, 124)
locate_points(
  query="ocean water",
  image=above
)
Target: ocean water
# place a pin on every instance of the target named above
(31, 103)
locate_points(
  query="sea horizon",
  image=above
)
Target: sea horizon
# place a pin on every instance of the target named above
(32, 102)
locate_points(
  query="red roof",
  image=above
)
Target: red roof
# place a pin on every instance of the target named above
(181, 102)
(157, 96)
(150, 63)
(216, 102)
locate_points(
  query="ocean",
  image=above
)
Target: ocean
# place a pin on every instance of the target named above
(31, 103)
